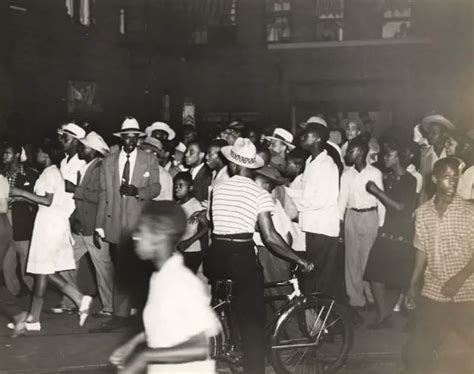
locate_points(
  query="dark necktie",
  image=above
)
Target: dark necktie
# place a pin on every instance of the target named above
(79, 177)
(126, 171)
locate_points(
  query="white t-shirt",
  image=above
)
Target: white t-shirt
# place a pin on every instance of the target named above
(191, 206)
(178, 308)
(281, 222)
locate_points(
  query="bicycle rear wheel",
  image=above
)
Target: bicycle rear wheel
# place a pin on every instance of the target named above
(314, 337)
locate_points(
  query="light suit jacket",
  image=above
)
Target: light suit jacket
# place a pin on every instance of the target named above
(117, 215)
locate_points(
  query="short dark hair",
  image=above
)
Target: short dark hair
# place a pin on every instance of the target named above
(165, 216)
(262, 148)
(218, 143)
(298, 154)
(360, 142)
(201, 145)
(54, 150)
(444, 163)
(168, 146)
(13, 145)
(184, 176)
(320, 130)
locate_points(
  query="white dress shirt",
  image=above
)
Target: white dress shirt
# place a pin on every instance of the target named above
(299, 237)
(123, 159)
(166, 182)
(466, 184)
(317, 201)
(419, 178)
(353, 193)
(69, 169)
(170, 320)
(194, 171)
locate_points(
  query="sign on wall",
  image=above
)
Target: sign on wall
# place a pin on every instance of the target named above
(82, 97)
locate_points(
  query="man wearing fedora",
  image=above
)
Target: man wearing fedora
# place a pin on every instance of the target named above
(160, 131)
(128, 179)
(69, 135)
(237, 205)
(155, 146)
(281, 142)
(91, 150)
(436, 129)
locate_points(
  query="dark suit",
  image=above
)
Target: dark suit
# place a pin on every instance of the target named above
(118, 215)
(86, 200)
(201, 183)
(23, 218)
(23, 213)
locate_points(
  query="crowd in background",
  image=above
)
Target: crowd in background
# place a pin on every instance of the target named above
(361, 209)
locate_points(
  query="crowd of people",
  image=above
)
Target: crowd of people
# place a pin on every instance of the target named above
(386, 224)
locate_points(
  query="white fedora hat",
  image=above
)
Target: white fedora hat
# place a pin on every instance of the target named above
(95, 141)
(282, 135)
(72, 129)
(162, 127)
(181, 147)
(243, 153)
(130, 126)
(436, 118)
(316, 119)
(153, 143)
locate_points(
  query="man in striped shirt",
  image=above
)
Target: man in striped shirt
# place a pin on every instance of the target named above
(238, 205)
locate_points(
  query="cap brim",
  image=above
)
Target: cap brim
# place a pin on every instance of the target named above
(289, 145)
(104, 151)
(171, 133)
(427, 121)
(258, 160)
(278, 181)
(62, 132)
(119, 134)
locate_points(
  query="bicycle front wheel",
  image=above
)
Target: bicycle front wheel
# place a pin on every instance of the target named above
(314, 337)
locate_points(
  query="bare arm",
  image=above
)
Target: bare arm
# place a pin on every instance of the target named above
(45, 200)
(418, 270)
(203, 228)
(274, 242)
(194, 349)
(379, 194)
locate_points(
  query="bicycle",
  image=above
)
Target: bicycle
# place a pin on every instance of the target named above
(297, 336)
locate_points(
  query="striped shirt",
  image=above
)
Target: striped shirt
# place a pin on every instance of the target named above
(236, 203)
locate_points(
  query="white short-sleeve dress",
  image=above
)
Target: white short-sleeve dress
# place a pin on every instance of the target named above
(51, 243)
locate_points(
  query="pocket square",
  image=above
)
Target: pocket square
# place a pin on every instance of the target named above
(26, 184)
(146, 175)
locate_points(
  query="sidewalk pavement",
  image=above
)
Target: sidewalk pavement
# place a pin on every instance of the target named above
(63, 346)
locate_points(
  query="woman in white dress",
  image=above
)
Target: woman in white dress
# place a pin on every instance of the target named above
(51, 244)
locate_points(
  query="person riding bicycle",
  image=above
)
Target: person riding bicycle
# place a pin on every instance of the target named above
(178, 318)
(238, 205)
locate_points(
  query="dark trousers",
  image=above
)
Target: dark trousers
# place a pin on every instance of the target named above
(132, 277)
(192, 260)
(323, 251)
(433, 320)
(237, 261)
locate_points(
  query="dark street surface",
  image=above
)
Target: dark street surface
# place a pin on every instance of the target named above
(64, 347)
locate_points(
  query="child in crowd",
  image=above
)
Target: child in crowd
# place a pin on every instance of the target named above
(190, 245)
(178, 319)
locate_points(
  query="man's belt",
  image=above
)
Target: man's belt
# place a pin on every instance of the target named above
(237, 238)
(364, 210)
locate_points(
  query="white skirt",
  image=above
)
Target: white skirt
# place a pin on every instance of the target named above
(51, 244)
